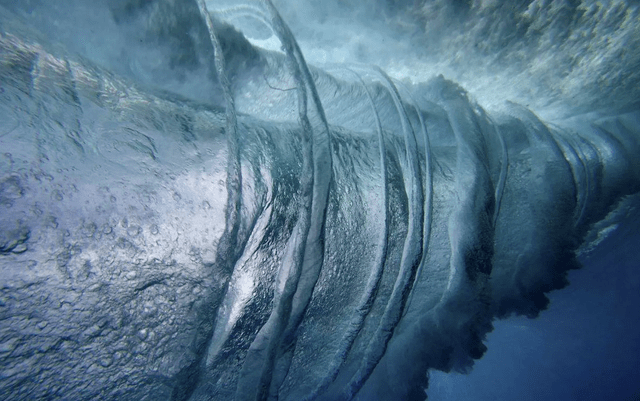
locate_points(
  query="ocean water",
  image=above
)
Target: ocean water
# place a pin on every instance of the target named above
(319, 200)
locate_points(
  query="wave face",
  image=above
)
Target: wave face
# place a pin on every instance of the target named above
(191, 211)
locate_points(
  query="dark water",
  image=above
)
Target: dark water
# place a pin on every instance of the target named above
(585, 347)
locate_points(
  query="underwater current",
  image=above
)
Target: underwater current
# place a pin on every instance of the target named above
(319, 200)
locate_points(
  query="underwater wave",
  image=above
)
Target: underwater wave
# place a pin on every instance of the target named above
(196, 217)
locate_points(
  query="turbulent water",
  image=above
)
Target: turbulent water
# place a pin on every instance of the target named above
(189, 210)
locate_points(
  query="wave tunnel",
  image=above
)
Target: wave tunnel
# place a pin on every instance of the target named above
(257, 200)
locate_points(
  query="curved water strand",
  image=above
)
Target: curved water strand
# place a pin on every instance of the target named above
(304, 255)
(475, 193)
(428, 208)
(581, 149)
(322, 162)
(245, 10)
(411, 253)
(580, 178)
(227, 252)
(366, 301)
(504, 167)
(257, 369)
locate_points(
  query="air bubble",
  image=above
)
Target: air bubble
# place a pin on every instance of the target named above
(133, 231)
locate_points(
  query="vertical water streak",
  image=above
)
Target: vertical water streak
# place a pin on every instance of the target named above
(470, 229)
(322, 171)
(305, 252)
(504, 169)
(428, 207)
(539, 131)
(227, 252)
(366, 301)
(590, 187)
(411, 253)
(228, 249)
(579, 171)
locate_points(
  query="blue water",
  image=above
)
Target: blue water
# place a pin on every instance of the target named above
(150, 211)
(586, 346)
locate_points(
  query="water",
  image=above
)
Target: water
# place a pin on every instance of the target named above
(291, 221)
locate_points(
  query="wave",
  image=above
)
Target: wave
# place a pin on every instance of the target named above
(284, 231)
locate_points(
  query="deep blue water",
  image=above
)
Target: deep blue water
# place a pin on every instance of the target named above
(585, 347)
